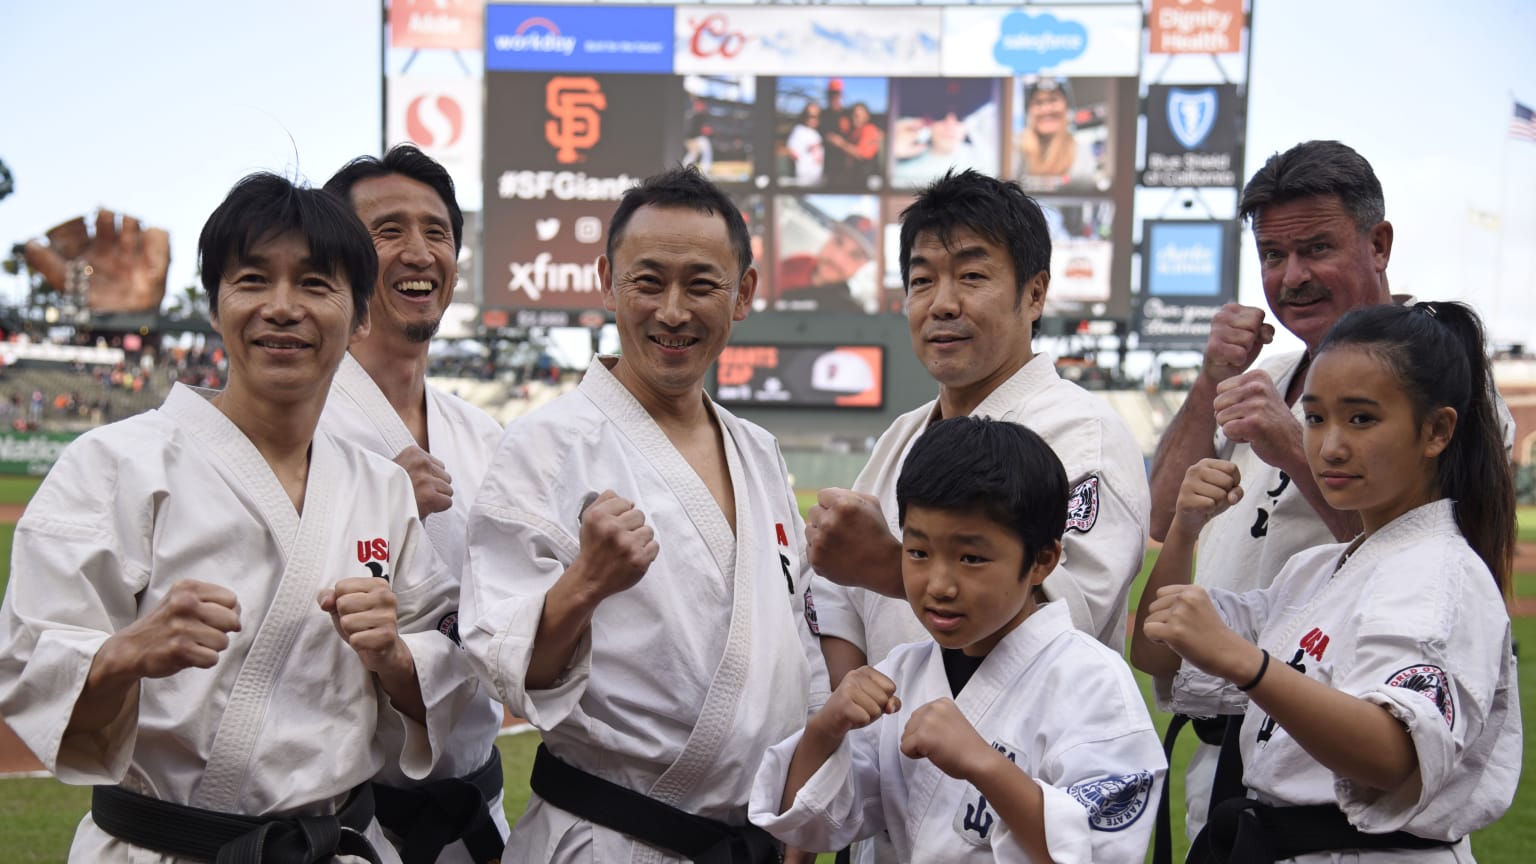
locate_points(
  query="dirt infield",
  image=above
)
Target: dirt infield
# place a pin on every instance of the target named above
(9, 513)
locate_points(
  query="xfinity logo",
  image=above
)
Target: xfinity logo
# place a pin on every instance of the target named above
(540, 275)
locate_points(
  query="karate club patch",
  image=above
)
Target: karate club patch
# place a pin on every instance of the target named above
(810, 613)
(1432, 682)
(1083, 505)
(1114, 803)
(448, 625)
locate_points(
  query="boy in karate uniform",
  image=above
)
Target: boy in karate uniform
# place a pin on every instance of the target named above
(986, 756)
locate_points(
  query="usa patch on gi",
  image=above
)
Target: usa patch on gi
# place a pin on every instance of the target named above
(1083, 505)
(1114, 803)
(1433, 683)
(975, 819)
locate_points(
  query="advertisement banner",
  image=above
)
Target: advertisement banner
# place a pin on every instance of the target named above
(1187, 274)
(1207, 27)
(1192, 136)
(443, 117)
(452, 25)
(560, 151)
(1103, 41)
(31, 452)
(801, 376)
(597, 38)
(802, 40)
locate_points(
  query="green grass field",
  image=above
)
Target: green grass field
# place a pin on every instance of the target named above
(39, 815)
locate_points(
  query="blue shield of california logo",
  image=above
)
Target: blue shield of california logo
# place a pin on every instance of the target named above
(1192, 115)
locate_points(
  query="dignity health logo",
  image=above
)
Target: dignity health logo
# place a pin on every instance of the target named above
(536, 36)
(1029, 43)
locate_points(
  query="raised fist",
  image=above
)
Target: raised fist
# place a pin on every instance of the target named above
(121, 269)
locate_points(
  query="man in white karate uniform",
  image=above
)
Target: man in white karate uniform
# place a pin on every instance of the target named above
(636, 586)
(212, 605)
(975, 256)
(380, 401)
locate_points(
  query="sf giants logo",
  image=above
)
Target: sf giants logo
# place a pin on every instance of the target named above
(576, 104)
(713, 36)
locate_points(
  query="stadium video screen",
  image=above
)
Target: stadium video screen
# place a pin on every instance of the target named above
(801, 376)
(798, 113)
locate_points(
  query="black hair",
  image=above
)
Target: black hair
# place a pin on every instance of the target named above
(998, 211)
(683, 186)
(1436, 352)
(1315, 169)
(1003, 470)
(263, 206)
(407, 161)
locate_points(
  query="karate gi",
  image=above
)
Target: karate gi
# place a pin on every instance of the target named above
(683, 680)
(1411, 621)
(1246, 546)
(1095, 756)
(1106, 521)
(464, 438)
(285, 722)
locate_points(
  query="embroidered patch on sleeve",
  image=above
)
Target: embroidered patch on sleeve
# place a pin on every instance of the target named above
(448, 625)
(810, 613)
(1083, 505)
(1114, 803)
(1432, 682)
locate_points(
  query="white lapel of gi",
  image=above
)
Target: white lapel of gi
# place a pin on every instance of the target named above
(713, 730)
(303, 543)
(354, 381)
(1001, 668)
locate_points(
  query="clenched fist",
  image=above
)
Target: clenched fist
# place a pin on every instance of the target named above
(121, 269)
(617, 547)
(863, 696)
(429, 479)
(362, 609)
(1237, 335)
(1210, 486)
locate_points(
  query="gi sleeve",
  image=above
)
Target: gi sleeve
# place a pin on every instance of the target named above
(839, 804)
(803, 604)
(837, 611)
(1433, 650)
(1199, 694)
(80, 558)
(428, 614)
(1101, 792)
(1108, 510)
(515, 557)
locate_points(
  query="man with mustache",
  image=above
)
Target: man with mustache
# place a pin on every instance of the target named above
(380, 400)
(637, 584)
(1318, 217)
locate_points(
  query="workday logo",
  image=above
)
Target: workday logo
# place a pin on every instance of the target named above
(1192, 115)
(536, 35)
(1029, 43)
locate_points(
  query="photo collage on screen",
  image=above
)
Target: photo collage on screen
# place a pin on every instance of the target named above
(821, 167)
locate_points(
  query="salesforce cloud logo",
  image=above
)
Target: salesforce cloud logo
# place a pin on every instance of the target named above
(1029, 43)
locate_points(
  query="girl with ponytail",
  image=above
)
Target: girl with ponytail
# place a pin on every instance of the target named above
(1383, 710)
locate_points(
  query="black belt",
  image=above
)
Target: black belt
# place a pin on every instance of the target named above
(612, 806)
(1246, 831)
(430, 816)
(1229, 771)
(228, 838)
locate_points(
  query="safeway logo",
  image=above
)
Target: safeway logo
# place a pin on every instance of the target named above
(434, 120)
(713, 37)
(576, 104)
